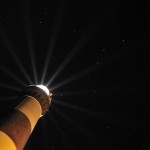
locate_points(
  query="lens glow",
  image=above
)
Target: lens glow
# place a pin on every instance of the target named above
(44, 88)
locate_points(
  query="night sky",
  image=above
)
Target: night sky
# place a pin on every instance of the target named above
(96, 60)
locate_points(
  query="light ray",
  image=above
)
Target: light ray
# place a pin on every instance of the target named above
(79, 108)
(8, 98)
(9, 73)
(69, 57)
(103, 90)
(9, 87)
(75, 77)
(101, 115)
(89, 32)
(9, 47)
(91, 136)
(28, 28)
(60, 131)
(71, 93)
(112, 58)
(62, 103)
(54, 35)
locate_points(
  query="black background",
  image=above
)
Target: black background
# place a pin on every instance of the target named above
(106, 106)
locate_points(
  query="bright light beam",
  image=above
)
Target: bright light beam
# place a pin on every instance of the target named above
(79, 108)
(62, 103)
(69, 57)
(112, 58)
(8, 98)
(9, 73)
(44, 88)
(71, 93)
(54, 35)
(91, 136)
(28, 28)
(90, 31)
(125, 122)
(9, 47)
(9, 87)
(75, 77)
(60, 131)
(103, 90)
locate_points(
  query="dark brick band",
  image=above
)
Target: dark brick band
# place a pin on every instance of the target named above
(18, 128)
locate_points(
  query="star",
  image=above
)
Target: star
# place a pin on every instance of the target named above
(52, 147)
(109, 104)
(107, 127)
(104, 50)
(74, 31)
(97, 63)
(45, 12)
(143, 145)
(94, 91)
(89, 78)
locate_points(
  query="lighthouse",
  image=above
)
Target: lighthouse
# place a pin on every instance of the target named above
(17, 128)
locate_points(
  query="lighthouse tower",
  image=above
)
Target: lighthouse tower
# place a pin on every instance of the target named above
(15, 131)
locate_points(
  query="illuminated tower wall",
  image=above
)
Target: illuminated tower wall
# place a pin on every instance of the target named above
(15, 131)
